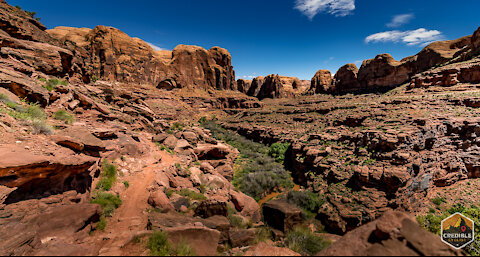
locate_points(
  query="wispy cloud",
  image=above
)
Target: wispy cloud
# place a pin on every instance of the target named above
(156, 48)
(419, 37)
(311, 8)
(399, 20)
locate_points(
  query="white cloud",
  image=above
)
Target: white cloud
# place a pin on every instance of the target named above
(399, 20)
(335, 7)
(410, 37)
(156, 48)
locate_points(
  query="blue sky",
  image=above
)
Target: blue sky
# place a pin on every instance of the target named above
(286, 37)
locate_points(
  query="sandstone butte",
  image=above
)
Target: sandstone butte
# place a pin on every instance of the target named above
(112, 155)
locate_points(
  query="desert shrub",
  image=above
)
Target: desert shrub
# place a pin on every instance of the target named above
(258, 174)
(188, 193)
(438, 201)
(304, 241)
(202, 120)
(160, 246)
(433, 223)
(40, 127)
(177, 126)
(52, 83)
(126, 184)
(263, 234)
(278, 150)
(64, 116)
(102, 224)
(164, 148)
(32, 113)
(108, 176)
(4, 98)
(183, 249)
(107, 201)
(307, 200)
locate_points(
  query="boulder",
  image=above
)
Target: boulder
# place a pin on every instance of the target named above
(38, 232)
(242, 237)
(159, 200)
(75, 136)
(281, 215)
(204, 241)
(264, 249)
(322, 82)
(212, 152)
(393, 234)
(246, 205)
(210, 208)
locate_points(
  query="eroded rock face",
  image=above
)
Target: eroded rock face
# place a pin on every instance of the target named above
(115, 56)
(270, 86)
(321, 82)
(19, 24)
(476, 41)
(393, 234)
(35, 176)
(382, 73)
(27, 230)
(346, 79)
(243, 85)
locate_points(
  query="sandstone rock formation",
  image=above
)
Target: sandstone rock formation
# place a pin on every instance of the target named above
(346, 79)
(321, 82)
(244, 85)
(383, 72)
(115, 56)
(274, 86)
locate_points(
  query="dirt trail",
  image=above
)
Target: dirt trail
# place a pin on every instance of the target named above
(132, 217)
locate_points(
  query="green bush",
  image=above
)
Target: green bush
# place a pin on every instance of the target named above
(126, 184)
(259, 174)
(307, 200)
(177, 126)
(159, 246)
(438, 201)
(32, 113)
(304, 241)
(64, 116)
(102, 224)
(51, 84)
(40, 127)
(278, 150)
(108, 202)
(108, 176)
(187, 193)
(164, 148)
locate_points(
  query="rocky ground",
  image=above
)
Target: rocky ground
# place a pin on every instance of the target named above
(104, 149)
